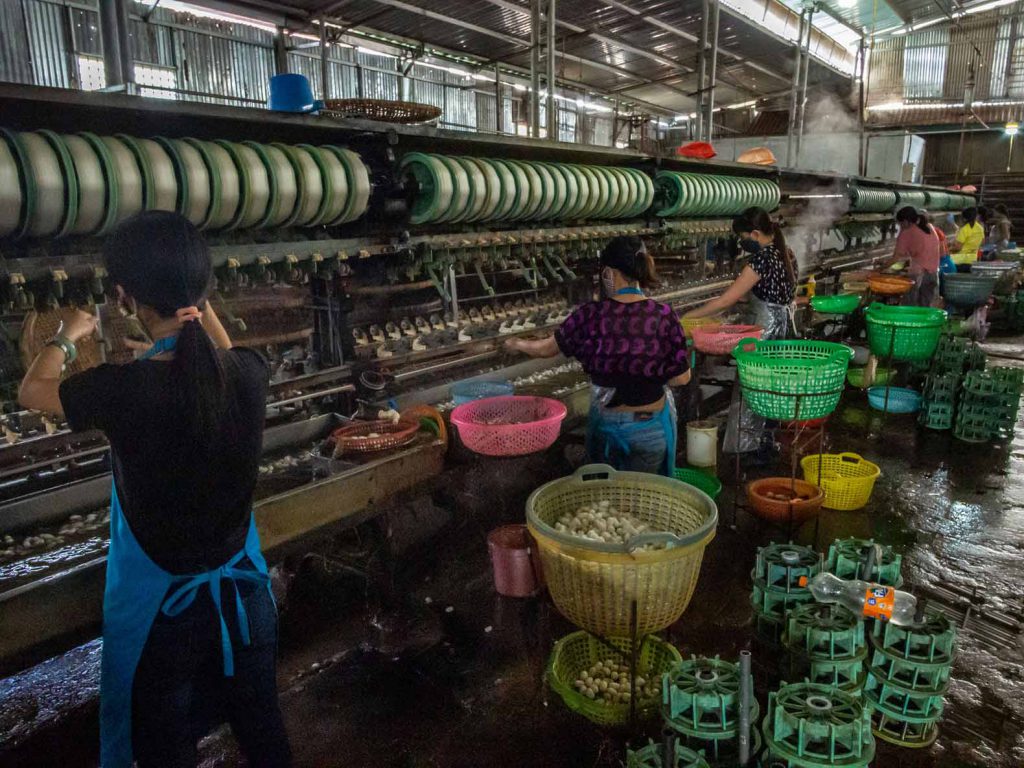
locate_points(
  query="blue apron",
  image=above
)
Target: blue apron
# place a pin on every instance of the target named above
(135, 592)
(616, 437)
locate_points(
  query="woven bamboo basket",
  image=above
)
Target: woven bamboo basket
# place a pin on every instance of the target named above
(594, 584)
(385, 110)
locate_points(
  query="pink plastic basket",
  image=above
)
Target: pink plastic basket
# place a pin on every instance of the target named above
(721, 339)
(513, 425)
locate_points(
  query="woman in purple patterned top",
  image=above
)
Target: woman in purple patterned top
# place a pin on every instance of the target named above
(634, 349)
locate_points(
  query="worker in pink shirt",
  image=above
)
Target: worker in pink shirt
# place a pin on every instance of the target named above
(919, 242)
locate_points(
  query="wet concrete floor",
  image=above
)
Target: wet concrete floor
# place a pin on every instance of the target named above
(421, 664)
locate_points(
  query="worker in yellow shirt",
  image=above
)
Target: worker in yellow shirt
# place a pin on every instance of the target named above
(964, 249)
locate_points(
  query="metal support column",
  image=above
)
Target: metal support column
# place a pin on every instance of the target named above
(117, 57)
(702, 60)
(325, 90)
(803, 86)
(552, 104)
(862, 159)
(280, 52)
(794, 93)
(709, 126)
(499, 103)
(535, 68)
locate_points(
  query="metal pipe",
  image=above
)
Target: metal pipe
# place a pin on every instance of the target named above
(702, 66)
(797, 66)
(803, 87)
(746, 695)
(552, 28)
(499, 103)
(535, 68)
(325, 91)
(280, 52)
(862, 51)
(710, 126)
(112, 40)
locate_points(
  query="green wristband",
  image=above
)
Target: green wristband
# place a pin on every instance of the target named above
(65, 345)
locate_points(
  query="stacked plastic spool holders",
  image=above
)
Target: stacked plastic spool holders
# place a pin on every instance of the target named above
(84, 184)
(939, 397)
(779, 571)
(701, 194)
(908, 675)
(846, 558)
(827, 645)
(472, 189)
(814, 726)
(989, 404)
(650, 756)
(701, 703)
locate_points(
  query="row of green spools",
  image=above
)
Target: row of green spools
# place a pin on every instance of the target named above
(53, 185)
(871, 200)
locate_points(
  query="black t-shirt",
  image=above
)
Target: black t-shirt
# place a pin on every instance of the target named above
(187, 501)
(774, 287)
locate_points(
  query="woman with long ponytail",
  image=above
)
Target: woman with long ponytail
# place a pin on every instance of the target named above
(769, 276)
(188, 617)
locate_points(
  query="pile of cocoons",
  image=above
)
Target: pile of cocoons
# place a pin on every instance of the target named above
(608, 682)
(602, 522)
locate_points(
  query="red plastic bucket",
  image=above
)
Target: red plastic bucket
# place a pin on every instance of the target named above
(516, 567)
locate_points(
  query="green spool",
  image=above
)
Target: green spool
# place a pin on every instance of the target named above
(595, 197)
(901, 733)
(650, 757)
(845, 557)
(433, 185)
(931, 642)
(547, 190)
(514, 183)
(462, 191)
(668, 193)
(894, 701)
(67, 168)
(845, 674)
(723, 752)
(816, 725)
(782, 566)
(777, 603)
(701, 697)
(477, 188)
(568, 182)
(825, 631)
(770, 629)
(910, 676)
(110, 178)
(646, 191)
(529, 185)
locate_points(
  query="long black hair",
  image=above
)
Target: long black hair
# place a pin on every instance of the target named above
(910, 215)
(160, 260)
(628, 255)
(759, 219)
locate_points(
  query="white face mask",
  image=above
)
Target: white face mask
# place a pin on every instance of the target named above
(608, 282)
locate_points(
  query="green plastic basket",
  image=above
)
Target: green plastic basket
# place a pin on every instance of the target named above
(840, 304)
(579, 651)
(856, 377)
(787, 380)
(907, 333)
(700, 480)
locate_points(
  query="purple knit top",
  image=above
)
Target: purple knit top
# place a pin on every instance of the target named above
(635, 348)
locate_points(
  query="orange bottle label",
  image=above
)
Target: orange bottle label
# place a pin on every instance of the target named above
(879, 602)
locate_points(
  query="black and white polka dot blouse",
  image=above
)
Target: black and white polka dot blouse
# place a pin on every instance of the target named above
(774, 287)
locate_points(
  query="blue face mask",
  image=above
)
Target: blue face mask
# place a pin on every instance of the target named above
(750, 245)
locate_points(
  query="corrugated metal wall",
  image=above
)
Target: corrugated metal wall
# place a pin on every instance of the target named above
(213, 61)
(936, 64)
(982, 153)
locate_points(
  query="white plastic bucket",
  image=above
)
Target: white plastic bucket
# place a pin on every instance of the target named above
(701, 444)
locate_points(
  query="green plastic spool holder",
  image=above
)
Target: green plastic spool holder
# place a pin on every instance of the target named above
(650, 757)
(912, 677)
(825, 631)
(776, 603)
(723, 752)
(845, 674)
(817, 725)
(931, 642)
(902, 733)
(768, 629)
(700, 697)
(845, 557)
(782, 566)
(900, 705)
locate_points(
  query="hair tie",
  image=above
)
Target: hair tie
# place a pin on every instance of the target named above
(188, 314)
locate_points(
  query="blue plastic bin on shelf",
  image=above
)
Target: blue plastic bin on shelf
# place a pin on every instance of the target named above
(901, 400)
(467, 391)
(292, 93)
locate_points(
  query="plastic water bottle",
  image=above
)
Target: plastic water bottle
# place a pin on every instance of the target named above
(873, 601)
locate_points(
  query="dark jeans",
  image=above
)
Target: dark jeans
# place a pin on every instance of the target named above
(180, 690)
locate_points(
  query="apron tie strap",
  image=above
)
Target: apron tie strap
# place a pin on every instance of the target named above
(185, 595)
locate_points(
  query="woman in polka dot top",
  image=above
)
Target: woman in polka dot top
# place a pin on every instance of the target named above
(770, 276)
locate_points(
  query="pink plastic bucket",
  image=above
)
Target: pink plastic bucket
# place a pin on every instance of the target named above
(513, 558)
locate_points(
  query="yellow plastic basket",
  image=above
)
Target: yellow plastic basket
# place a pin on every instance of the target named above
(846, 478)
(594, 583)
(689, 323)
(580, 651)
